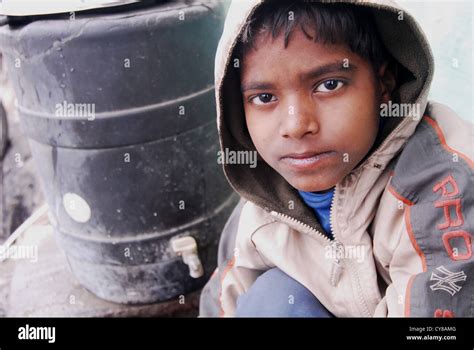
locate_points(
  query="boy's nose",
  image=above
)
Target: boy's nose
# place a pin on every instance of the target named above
(299, 120)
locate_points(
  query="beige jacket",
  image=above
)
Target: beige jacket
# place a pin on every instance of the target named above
(402, 220)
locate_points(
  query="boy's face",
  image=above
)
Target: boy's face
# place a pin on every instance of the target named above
(312, 110)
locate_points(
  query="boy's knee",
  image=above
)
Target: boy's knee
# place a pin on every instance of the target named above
(275, 294)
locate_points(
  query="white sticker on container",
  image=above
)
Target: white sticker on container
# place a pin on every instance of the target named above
(76, 207)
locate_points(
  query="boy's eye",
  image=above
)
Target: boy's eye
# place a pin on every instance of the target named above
(262, 99)
(329, 85)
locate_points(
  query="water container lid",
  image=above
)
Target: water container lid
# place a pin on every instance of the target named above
(44, 7)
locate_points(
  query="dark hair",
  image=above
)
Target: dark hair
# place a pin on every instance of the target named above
(326, 23)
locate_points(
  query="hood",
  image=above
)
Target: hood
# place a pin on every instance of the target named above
(261, 184)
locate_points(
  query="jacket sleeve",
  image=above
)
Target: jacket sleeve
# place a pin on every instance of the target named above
(423, 230)
(239, 265)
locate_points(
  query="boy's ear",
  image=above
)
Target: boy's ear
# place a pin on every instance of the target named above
(387, 80)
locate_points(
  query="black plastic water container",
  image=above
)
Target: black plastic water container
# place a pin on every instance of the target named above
(119, 108)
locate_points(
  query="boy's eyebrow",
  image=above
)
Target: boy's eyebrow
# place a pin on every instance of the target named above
(332, 67)
(255, 85)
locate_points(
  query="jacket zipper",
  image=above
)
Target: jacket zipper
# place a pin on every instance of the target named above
(337, 248)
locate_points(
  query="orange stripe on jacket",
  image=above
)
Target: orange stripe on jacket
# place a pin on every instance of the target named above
(413, 242)
(407, 296)
(399, 196)
(228, 267)
(442, 140)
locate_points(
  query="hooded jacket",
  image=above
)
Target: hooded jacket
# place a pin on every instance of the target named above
(402, 220)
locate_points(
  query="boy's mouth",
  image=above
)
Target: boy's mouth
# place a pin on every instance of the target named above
(307, 160)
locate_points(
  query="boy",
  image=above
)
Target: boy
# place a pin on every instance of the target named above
(359, 204)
